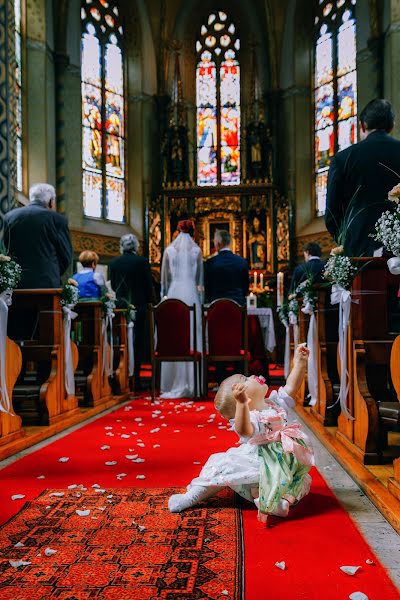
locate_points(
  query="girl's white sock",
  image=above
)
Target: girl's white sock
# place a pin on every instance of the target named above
(179, 502)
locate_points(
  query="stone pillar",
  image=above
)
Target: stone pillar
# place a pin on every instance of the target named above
(7, 110)
(392, 61)
(61, 63)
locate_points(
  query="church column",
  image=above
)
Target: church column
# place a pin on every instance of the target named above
(392, 61)
(7, 110)
(369, 53)
(40, 85)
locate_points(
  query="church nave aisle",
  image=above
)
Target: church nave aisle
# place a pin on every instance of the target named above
(139, 445)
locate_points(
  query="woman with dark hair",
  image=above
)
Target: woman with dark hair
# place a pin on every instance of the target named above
(182, 278)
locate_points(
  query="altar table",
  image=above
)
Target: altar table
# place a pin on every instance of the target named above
(266, 319)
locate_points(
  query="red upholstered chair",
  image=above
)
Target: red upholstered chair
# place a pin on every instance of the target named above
(225, 337)
(172, 327)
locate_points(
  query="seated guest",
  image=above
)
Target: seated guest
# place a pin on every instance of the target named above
(37, 237)
(311, 268)
(91, 285)
(226, 275)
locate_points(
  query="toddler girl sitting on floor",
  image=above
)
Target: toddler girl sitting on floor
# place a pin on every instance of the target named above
(270, 467)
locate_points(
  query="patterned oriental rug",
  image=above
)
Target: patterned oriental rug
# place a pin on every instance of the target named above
(121, 544)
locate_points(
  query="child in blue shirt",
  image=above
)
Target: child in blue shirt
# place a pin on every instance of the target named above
(91, 284)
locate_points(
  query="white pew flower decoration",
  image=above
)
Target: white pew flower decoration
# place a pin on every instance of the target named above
(10, 276)
(109, 305)
(340, 271)
(69, 298)
(387, 230)
(293, 312)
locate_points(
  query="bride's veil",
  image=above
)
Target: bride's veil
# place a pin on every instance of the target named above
(179, 262)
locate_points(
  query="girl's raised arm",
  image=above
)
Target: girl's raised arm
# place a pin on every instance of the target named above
(243, 425)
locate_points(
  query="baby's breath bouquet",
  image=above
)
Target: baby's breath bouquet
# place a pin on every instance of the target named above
(307, 290)
(293, 305)
(387, 229)
(283, 313)
(109, 303)
(10, 273)
(340, 269)
(70, 293)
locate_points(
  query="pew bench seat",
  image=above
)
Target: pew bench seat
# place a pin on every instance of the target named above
(389, 414)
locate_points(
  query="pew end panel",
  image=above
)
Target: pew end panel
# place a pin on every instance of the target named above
(11, 424)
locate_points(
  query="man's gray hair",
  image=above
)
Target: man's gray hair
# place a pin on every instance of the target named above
(223, 237)
(42, 193)
(129, 243)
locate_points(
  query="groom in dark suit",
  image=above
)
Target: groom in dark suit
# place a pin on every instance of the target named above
(360, 178)
(226, 275)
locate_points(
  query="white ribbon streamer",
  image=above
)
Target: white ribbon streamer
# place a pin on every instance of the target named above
(69, 378)
(394, 265)
(293, 321)
(286, 364)
(343, 297)
(5, 404)
(131, 352)
(107, 325)
(312, 363)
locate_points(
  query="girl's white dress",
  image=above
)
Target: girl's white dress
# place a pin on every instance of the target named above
(242, 468)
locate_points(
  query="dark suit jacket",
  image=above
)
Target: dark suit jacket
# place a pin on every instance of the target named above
(359, 167)
(312, 268)
(131, 279)
(226, 276)
(38, 239)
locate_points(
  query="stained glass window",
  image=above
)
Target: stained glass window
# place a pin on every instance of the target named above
(218, 102)
(335, 87)
(18, 90)
(103, 111)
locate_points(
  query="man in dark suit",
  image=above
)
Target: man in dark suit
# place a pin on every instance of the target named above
(360, 178)
(37, 237)
(226, 275)
(131, 280)
(311, 268)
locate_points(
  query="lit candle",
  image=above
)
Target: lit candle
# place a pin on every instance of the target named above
(262, 281)
(279, 289)
(255, 278)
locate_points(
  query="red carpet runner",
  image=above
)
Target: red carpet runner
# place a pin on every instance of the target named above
(120, 544)
(173, 439)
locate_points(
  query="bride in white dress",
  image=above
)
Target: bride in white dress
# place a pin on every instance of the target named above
(182, 278)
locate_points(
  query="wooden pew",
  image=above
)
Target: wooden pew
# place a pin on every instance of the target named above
(369, 346)
(36, 323)
(394, 482)
(327, 317)
(11, 424)
(92, 386)
(120, 379)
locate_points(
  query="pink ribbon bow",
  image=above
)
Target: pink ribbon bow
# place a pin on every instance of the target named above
(287, 435)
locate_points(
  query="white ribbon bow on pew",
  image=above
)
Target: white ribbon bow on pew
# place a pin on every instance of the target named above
(107, 325)
(312, 363)
(5, 405)
(131, 352)
(69, 315)
(286, 364)
(343, 297)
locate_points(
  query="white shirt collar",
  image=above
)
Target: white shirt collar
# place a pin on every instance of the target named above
(314, 258)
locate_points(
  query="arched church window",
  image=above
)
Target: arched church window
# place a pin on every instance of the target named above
(218, 102)
(335, 87)
(103, 112)
(18, 92)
